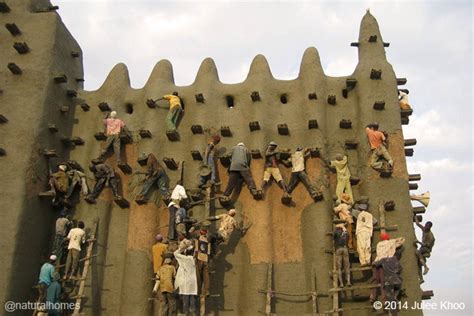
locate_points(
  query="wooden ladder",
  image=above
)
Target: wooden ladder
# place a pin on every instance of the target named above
(85, 270)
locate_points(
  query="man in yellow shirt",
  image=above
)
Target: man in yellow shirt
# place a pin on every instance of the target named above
(175, 110)
(157, 251)
(166, 276)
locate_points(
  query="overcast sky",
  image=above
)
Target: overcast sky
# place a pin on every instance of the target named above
(430, 45)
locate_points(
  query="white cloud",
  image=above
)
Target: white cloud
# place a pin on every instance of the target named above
(432, 130)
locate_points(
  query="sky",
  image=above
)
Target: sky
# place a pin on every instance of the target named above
(430, 45)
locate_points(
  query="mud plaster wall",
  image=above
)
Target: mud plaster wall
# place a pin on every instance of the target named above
(30, 101)
(293, 238)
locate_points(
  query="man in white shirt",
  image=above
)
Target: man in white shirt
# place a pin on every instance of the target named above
(364, 230)
(179, 193)
(298, 172)
(76, 237)
(403, 99)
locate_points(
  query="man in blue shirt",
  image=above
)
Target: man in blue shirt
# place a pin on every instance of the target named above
(46, 277)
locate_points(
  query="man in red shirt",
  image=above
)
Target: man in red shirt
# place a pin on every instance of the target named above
(113, 128)
(377, 140)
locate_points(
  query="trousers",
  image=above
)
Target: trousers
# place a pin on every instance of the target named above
(172, 117)
(168, 304)
(202, 273)
(115, 141)
(300, 176)
(72, 261)
(364, 247)
(100, 184)
(376, 154)
(235, 177)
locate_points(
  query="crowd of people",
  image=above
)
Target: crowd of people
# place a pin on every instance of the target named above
(181, 259)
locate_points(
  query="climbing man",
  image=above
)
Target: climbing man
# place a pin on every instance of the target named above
(202, 252)
(298, 172)
(377, 141)
(173, 209)
(272, 168)
(62, 225)
(403, 99)
(155, 174)
(175, 109)
(77, 178)
(239, 170)
(157, 252)
(59, 183)
(343, 211)
(76, 237)
(53, 296)
(426, 245)
(104, 174)
(46, 277)
(179, 195)
(210, 161)
(386, 248)
(166, 276)
(228, 224)
(343, 176)
(113, 127)
(364, 230)
(341, 237)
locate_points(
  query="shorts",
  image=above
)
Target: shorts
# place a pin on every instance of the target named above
(272, 172)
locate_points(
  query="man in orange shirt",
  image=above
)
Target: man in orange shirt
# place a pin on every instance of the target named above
(376, 141)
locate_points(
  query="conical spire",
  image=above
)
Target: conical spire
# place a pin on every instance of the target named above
(370, 39)
(118, 78)
(259, 69)
(310, 66)
(161, 73)
(207, 72)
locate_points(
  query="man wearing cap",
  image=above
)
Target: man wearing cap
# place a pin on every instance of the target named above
(377, 140)
(62, 225)
(298, 172)
(343, 211)
(104, 173)
(386, 248)
(240, 170)
(426, 245)
(46, 277)
(364, 229)
(113, 127)
(76, 237)
(343, 175)
(166, 276)
(227, 225)
(202, 252)
(59, 182)
(341, 237)
(210, 160)
(403, 99)
(155, 174)
(157, 252)
(271, 167)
